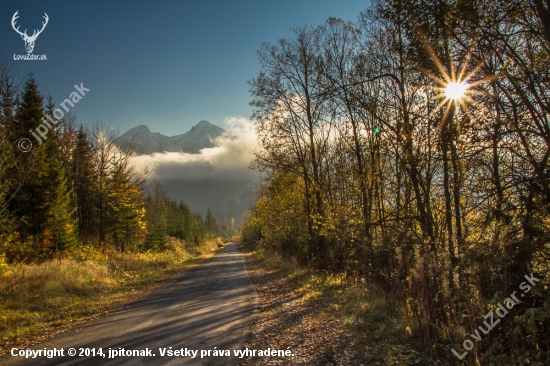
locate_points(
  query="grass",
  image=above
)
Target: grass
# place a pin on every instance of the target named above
(37, 300)
(361, 308)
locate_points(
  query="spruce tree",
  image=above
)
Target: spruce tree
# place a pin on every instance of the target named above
(8, 102)
(58, 232)
(30, 112)
(210, 222)
(84, 178)
(158, 213)
(59, 225)
(26, 203)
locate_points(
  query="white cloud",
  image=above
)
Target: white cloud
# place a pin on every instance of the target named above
(229, 160)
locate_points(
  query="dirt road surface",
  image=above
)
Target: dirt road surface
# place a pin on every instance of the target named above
(211, 305)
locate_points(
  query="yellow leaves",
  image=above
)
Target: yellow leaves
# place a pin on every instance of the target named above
(69, 227)
(4, 268)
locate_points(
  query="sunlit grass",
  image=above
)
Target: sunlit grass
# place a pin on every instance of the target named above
(39, 298)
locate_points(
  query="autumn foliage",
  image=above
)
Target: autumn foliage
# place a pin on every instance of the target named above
(373, 171)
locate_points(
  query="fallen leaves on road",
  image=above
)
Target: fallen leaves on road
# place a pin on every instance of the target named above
(286, 318)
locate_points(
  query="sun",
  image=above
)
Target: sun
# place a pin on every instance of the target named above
(456, 91)
(454, 88)
(455, 84)
(455, 81)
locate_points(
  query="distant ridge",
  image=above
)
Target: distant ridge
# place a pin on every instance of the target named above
(144, 142)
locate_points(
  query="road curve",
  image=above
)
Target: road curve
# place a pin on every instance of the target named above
(210, 305)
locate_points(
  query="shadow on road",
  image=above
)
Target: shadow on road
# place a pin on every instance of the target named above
(210, 305)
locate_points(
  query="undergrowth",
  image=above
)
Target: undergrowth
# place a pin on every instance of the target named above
(350, 301)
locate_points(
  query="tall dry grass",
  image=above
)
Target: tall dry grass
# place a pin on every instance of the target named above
(38, 298)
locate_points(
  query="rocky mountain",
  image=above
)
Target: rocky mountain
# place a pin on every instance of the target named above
(224, 185)
(141, 140)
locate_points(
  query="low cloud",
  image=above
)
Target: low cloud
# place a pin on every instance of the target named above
(229, 160)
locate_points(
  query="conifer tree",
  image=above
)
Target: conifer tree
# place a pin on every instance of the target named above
(197, 229)
(8, 101)
(58, 226)
(125, 209)
(6, 162)
(158, 212)
(210, 223)
(84, 184)
(30, 111)
(180, 223)
(29, 115)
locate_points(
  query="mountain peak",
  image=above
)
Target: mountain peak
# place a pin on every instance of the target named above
(143, 141)
(202, 125)
(138, 129)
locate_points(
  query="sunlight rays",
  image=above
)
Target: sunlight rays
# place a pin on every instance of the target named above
(457, 84)
(453, 87)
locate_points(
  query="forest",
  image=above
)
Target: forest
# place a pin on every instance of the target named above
(410, 150)
(77, 189)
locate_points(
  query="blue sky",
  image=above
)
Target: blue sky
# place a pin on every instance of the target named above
(165, 64)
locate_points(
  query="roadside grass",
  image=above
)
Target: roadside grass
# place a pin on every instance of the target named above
(382, 337)
(37, 300)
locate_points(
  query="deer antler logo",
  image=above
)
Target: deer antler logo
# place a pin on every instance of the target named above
(29, 41)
